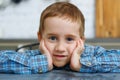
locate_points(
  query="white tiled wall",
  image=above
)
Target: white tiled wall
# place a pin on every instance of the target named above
(88, 9)
(22, 20)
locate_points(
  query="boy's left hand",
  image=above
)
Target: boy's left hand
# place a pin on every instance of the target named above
(75, 57)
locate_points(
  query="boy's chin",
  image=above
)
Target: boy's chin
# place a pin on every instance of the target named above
(59, 64)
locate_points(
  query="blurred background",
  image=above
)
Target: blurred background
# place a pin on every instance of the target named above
(19, 21)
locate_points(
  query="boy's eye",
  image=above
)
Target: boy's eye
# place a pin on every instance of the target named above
(70, 39)
(52, 38)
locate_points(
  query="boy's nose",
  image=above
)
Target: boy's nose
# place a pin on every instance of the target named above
(60, 47)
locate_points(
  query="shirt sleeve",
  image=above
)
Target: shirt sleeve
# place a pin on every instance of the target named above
(22, 63)
(98, 59)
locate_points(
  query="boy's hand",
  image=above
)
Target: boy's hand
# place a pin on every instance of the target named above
(45, 51)
(75, 57)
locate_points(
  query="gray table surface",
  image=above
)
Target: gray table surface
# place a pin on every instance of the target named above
(62, 75)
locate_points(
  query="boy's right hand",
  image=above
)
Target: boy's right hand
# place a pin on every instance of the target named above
(45, 51)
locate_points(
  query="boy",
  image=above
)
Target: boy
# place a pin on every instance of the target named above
(61, 37)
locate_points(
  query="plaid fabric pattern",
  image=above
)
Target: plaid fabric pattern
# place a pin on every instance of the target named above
(98, 59)
(23, 63)
(93, 59)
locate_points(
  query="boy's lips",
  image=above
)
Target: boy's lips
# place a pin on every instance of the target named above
(59, 56)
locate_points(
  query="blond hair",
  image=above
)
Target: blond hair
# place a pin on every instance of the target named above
(64, 10)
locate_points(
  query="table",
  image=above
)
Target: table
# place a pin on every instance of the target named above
(62, 75)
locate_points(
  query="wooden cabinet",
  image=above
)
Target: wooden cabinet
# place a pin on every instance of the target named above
(108, 18)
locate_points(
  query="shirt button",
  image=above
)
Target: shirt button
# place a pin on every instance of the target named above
(88, 64)
(40, 70)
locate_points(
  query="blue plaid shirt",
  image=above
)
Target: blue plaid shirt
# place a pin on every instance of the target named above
(93, 59)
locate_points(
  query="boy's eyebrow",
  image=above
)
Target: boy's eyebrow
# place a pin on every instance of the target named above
(51, 34)
(71, 35)
(68, 35)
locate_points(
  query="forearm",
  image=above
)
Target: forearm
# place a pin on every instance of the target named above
(105, 62)
(21, 63)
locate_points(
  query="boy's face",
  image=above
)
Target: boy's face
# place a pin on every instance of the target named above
(60, 36)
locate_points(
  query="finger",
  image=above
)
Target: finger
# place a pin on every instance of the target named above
(41, 46)
(82, 44)
(78, 47)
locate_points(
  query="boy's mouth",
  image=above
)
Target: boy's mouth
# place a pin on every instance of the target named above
(60, 57)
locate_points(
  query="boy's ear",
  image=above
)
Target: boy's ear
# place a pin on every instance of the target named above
(39, 36)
